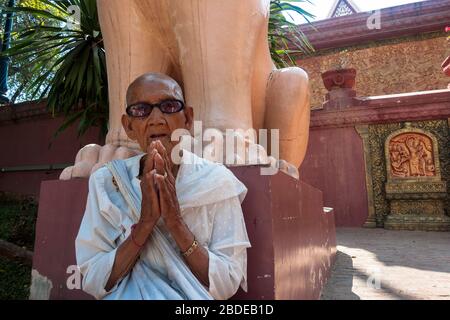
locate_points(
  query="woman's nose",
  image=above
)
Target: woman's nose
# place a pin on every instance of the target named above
(156, 117)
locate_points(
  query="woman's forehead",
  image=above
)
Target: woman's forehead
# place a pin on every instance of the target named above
(153, 90)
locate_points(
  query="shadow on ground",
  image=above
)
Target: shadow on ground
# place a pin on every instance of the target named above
(340, 284)
(411, 265)
(413, 249)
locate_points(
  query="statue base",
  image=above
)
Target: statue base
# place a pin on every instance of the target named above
(293, 239)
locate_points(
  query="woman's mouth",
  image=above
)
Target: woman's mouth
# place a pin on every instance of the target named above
(159, 136)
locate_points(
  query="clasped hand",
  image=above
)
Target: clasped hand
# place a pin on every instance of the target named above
(159, 198)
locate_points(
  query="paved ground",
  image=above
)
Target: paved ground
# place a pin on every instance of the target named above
(380, 264)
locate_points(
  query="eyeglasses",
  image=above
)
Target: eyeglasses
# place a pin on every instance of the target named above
(140, 110)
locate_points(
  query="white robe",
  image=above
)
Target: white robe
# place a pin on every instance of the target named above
(210, 200)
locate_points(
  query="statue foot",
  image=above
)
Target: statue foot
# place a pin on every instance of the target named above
(244, 150)
(92, 157)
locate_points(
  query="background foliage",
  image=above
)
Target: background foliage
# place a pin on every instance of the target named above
(285, 38)
(62, 62)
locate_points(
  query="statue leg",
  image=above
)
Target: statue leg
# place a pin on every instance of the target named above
(217, 41)
(288, 109)
(132, 49)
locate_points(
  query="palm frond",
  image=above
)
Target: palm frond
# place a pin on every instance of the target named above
(68, 65)
(285, 38)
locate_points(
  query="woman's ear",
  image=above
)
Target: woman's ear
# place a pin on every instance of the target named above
(126, 124)
(189, 114)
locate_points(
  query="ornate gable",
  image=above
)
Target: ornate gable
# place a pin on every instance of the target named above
(343, 8)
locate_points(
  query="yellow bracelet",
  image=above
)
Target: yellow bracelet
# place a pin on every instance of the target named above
(191, 249)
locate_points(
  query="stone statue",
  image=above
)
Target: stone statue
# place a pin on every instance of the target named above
(217, 50)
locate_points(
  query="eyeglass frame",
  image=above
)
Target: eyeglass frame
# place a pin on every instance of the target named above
(157, 105)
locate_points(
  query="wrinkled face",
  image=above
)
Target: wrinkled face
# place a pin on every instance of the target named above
(152, 89)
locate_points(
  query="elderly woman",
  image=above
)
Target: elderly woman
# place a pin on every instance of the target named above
(156, 230)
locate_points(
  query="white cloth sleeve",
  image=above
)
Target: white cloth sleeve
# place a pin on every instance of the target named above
(227, 250)
(95, 244)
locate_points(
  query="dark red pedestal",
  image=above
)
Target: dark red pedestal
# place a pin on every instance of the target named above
(293, 240)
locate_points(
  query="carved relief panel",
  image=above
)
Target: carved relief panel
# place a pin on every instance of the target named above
(412, 154)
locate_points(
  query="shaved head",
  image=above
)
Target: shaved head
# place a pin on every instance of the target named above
(155, 82)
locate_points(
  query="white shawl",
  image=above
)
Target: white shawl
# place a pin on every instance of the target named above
(209, 197)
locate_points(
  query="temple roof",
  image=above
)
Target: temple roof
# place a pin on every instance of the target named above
(406, 20)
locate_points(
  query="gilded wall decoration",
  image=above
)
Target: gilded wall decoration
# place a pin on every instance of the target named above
(377, 137)
(379, 159)
(427, 207)
(414, 186)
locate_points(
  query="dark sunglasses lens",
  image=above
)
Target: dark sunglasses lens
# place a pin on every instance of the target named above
(139, 110)
(171, 106)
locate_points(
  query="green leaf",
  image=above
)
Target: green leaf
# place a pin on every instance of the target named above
(37, 12)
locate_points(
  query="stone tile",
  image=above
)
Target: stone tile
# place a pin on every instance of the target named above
(374, 264)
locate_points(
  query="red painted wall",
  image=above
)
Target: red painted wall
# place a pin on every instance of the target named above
(334, 163)
(26, 142)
